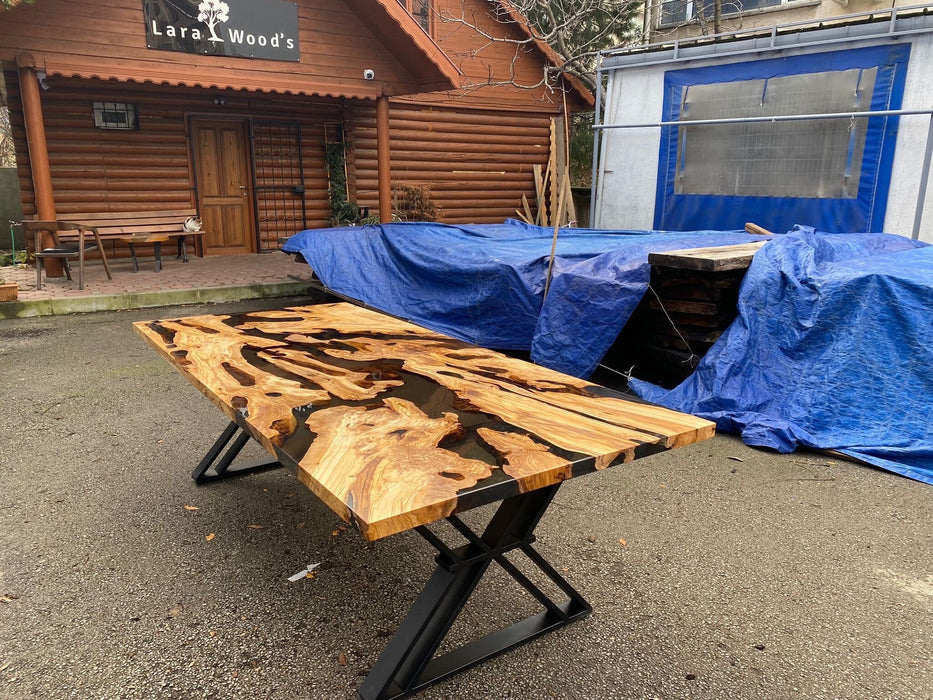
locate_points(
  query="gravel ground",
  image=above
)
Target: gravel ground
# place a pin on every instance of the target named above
(715, 571)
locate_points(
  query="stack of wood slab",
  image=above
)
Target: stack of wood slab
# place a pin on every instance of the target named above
(692, 300)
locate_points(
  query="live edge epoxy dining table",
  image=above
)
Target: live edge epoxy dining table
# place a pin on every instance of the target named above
(395, 427)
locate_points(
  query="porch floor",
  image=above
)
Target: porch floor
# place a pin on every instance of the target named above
(214, 278)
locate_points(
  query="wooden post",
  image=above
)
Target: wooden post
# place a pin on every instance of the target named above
(31, 92)
(383, 155)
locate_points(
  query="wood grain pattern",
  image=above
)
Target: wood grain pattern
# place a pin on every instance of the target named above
(712, 259)
(395, 426)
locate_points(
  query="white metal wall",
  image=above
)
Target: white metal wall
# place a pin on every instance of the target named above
(911, 142)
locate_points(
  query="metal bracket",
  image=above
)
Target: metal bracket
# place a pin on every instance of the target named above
(407, 665)
(222, 461)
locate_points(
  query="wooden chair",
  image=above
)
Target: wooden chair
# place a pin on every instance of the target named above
(64, 250)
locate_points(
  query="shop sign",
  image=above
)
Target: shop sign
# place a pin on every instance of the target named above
(238, 28)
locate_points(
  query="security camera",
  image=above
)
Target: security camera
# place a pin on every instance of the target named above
(369, 74)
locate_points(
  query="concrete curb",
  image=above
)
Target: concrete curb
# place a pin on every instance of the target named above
(144, 300)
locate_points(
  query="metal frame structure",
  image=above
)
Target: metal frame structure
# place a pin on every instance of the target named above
(408, 663)
(924, 174)
(287, 193)
(859, 26)
(221, 460)
(902, 21)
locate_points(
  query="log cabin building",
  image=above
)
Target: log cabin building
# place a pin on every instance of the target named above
(239, 108)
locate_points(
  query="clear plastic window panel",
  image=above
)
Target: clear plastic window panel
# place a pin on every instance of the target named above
(819, 158)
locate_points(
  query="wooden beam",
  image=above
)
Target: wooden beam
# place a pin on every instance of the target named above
(384, 154)
(31, 94)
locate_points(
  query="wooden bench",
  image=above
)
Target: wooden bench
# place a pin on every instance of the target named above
(114, 225)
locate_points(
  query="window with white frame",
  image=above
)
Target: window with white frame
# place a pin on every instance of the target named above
(680, 11)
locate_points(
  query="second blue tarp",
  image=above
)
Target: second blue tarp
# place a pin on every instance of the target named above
(832, 349)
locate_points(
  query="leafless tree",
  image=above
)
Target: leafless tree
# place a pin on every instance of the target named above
(706, 16)
(7, 153)
(576, 31)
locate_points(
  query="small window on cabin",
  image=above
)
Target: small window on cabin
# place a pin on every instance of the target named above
(115, 115)
(420, 10)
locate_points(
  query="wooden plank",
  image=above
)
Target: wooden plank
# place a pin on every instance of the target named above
(757, 230)
(526, 210)
(699, 308)
(669, 278)
(541, 214)
(394, 426)
(170, 214)
(713, 259)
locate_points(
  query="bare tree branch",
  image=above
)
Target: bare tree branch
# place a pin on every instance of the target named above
(7, 150)
(575, 30)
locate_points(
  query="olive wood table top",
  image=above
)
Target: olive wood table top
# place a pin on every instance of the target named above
(394, 426)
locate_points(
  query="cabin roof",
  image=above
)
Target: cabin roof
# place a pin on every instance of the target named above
(427, 66)
(419, 63)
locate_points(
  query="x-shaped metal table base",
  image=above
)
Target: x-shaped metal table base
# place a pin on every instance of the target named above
(408, 663)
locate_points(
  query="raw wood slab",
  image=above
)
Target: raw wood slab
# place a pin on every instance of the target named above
(394, 426)
(723, 257)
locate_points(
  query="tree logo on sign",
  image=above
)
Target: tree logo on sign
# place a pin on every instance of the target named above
(212, 12)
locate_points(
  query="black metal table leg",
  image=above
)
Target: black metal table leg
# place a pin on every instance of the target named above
(157, 248)
(407, 664)
(133, 254)
(222, 461)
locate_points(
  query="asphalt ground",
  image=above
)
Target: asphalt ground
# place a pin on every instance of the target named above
(715, 571)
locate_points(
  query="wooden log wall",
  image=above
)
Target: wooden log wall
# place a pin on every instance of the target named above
(475, 147)
(106, 39)
(477, 162)
(148, 169)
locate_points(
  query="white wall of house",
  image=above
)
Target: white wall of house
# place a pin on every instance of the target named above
(628, 168)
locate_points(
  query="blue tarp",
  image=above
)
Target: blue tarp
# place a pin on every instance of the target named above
(832, 349)
(485, 283)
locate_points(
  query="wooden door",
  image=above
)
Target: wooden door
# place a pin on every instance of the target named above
(224, 186)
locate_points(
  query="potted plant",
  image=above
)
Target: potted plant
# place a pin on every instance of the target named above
(9, 291)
